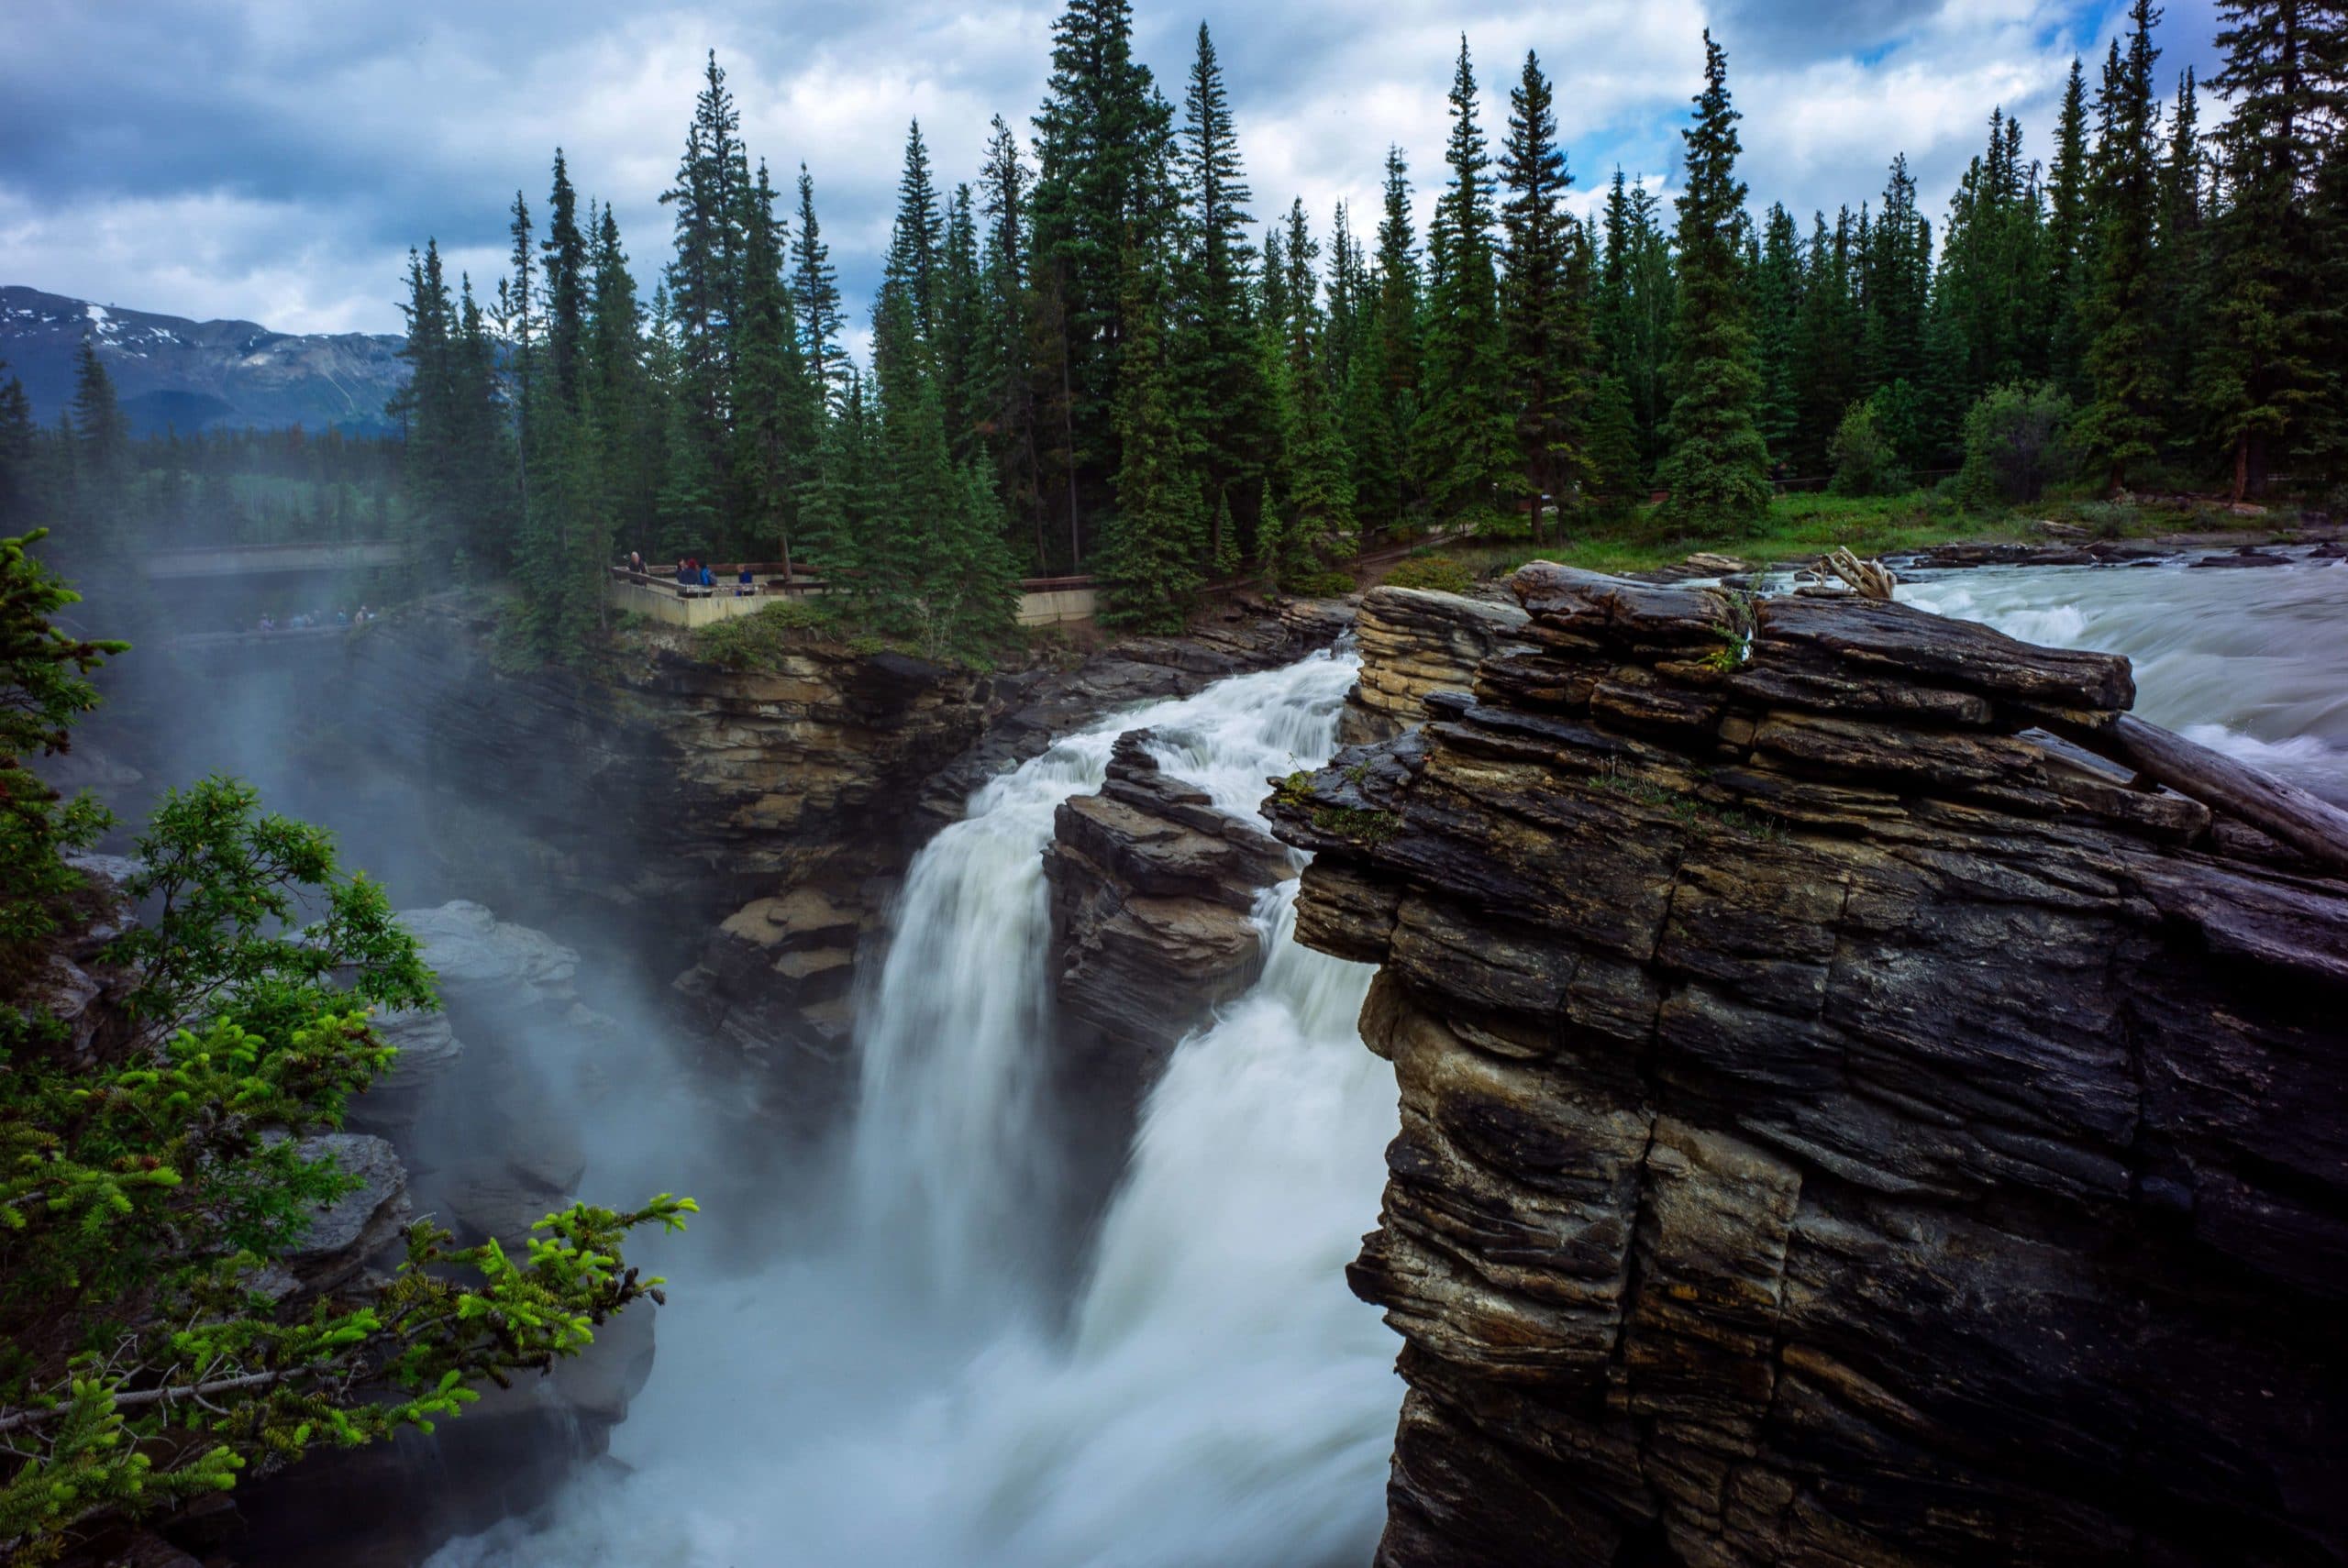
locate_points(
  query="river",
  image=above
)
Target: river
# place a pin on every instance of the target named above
(911, 1378)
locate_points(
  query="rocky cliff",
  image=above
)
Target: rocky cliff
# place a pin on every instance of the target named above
(1840, 1124)
(1151, 892)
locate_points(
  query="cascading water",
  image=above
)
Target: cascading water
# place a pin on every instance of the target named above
(915, 1393)
(2247, 660)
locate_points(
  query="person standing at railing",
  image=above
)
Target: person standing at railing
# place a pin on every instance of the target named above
(746, 584)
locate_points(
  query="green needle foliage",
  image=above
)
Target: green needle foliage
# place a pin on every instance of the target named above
(151, 1161)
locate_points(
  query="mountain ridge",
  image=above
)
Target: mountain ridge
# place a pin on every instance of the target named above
(172, 372)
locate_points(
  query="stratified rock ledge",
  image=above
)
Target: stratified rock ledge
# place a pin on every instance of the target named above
(1840, 1124)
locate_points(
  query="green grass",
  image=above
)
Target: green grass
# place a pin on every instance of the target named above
(762, 639)
(1803, 527)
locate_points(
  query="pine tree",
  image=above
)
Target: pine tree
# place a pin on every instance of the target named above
(815, 291)
(1100, 146)
(1319, 527)
(1464, 438)
(706, 280)
(773, 399)
(1008, 353)
(1399, 349)
(1153, 546)
(1718, 468)
(1636, 304)
(2179, 268)
(19, 455)
(2266, 377)
(1219, 390)
(2120, 425)
(2067, 240)
(1545, 321)
(619, 401)
(1776, 313)
(917, 239)
(1826, 355)
(963, 367)
(100, 521)
(565, 251)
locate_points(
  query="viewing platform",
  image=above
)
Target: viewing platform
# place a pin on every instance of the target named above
(655, 594)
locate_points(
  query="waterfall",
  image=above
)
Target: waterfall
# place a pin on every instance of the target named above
(916, 1393)
(2246, 661)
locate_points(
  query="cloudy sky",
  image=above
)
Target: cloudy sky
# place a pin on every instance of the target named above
(274, 160)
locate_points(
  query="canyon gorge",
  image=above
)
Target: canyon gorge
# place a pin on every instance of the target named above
(1822, 1115)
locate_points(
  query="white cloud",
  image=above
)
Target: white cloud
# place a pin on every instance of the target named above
(275, 160)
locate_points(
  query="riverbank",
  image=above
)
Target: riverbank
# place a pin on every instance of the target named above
(1803, 527)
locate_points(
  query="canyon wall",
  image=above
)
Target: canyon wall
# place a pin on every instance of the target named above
(1840, 1124)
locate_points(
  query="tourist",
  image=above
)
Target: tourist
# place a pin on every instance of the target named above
(636, 563)
(745, 585)
(707, 581)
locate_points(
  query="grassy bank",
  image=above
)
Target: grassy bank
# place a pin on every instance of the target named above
(1802, 527)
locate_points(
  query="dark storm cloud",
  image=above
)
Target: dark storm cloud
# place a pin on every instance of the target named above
(275, 159)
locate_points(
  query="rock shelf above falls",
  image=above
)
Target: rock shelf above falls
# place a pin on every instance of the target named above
(1839, 1123)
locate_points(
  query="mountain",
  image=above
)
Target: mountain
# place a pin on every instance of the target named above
(192, 375)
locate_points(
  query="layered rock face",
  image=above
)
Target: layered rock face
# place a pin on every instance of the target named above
(1837, 1127)
(1151, 893)
(773, 982)
(1413, 643)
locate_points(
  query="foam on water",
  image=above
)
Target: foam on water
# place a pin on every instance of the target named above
(2249, 662)
(913, 1394)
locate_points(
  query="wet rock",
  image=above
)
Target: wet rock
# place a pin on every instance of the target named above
(343, 1236)
(1838, 1124)
(2245, 557)
(1151, 888)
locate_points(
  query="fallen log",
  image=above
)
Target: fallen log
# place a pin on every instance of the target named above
(2284, 812)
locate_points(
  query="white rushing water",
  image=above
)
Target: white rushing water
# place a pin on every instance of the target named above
(2253, 661)
(916, 1392)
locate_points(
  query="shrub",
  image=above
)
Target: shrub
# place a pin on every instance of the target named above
(760, 639)
(1864, 462)
(2015, 437)
(1324, 584)
(1440, 573)
(152, 1173)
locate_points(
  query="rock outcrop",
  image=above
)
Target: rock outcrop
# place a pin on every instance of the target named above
(1151, 892)
(1839, 1123)
(772, 983)
(1414, 642)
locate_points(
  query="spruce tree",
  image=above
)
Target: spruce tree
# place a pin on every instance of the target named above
(1827, 342)
(1718, 468)
(1212, 352)
(2121, 425)
(1008, 348)
(1545, 321)
(19, 455)
(1400, 346)
(620, 398)
(2265, 376)
(565, 248)
(706, 277)
(1154, 544)
(1099, 139)
(965, 369)
(1465, 439)
(917, 239)
(1776, 310)
(1319, 526)
(774, 400)
(815, 293)
(2067, 241)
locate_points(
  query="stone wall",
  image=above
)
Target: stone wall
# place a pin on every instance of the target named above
(1839, 1124)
